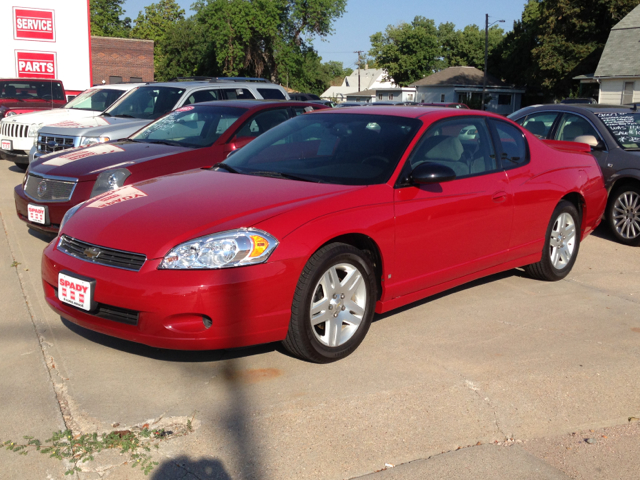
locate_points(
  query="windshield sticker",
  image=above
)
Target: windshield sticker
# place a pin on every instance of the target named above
(184, 109)
(625, 127)
(118, 196)
(80, 153)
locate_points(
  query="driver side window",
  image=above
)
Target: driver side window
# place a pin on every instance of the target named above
(462, 144)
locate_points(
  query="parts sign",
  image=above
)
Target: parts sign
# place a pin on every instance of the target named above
(34, 24)
(36, 64)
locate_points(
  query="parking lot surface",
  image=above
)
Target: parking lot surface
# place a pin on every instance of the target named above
(520, 371)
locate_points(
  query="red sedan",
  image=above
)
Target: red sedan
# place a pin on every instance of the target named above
(189, 137)
(306, 232)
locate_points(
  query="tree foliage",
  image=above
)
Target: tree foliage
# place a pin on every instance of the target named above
(105, 19)
(466, 47)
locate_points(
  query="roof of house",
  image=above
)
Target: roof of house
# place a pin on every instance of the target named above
(458, 76)
(621, 55)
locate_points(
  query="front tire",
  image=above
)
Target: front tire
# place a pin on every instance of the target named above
(623, 214)
(333, 304)
(561, 245)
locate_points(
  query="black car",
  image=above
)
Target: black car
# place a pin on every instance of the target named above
(613, 131)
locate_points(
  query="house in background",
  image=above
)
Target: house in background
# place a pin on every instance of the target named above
(464, 85)
(618, 71)
(396, 94)
(370, 79)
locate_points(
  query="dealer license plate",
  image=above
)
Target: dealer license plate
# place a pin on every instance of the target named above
(37, 214)
(74, 291)
(6, 145)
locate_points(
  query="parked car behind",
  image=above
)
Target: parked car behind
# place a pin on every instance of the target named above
(445, 104)
(18, 135)
(613, 132)
(24, 95)
(190, 137)
(146, 103)
(301, 235)
(572, 101)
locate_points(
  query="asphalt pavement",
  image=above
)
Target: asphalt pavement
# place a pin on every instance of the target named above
(506, 377)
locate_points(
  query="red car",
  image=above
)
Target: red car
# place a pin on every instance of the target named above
(306, 232)
(24, 95)
(189, 137)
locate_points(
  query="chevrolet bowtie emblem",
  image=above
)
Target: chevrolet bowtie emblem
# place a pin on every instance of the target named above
(92, 253)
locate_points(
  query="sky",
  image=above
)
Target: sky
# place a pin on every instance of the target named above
(363, 18)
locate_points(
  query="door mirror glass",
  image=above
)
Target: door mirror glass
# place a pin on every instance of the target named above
(427, 173)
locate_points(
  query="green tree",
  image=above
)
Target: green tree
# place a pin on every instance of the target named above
(105, 19)
(466, 47)
(409, 51)
(154, 24)
(186, 52)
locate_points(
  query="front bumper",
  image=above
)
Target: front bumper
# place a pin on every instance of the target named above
(15, 156)
(181, 310)
(56, 210)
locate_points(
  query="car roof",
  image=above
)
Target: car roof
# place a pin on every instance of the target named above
(579, 107)
(119, 86)
(202, 83)
(255, 103)
(409, 111)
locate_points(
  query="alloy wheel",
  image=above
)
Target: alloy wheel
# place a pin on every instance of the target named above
(338, 304)
(563, 241)
(626, 215)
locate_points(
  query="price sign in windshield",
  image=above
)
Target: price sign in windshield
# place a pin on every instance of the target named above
(625, 127)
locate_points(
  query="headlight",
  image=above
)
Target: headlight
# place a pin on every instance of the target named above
(10, 114)
(70, 213)
(110, 180)
(235, 248)
(33, 132)
(86, 141)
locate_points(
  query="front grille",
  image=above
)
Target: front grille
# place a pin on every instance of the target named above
(14, 130)
(102, 255)
(53, 143)
(49, 189)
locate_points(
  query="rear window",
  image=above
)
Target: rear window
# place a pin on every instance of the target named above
(31, 90)
(271, 94)
(146, 102)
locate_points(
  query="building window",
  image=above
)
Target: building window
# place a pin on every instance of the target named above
(504, 99)
(391, 96)
(410, 97)
(113, 80)
(442, 98)
(136, 79)
(379, 96)
(627, 93)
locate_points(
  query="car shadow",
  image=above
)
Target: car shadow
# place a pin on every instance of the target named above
(40, 235)
(603, 231)
(13, 168)
(476, 283)
(165, 355)
(184, 467)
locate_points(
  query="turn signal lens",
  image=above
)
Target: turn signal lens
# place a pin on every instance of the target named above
(260, 244)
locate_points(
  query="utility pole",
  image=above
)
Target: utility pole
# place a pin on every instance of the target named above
(486, 55)
(359, 52)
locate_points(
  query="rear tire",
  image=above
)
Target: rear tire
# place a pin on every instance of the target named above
(561, 245)
(623, 214)
(333, 304)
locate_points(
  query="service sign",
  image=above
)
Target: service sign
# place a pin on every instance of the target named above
(34, 24)
(36, 64)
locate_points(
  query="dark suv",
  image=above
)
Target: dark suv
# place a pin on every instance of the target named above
(613, 131)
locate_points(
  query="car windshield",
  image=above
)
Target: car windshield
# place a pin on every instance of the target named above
(148, 102)
(341, 148)
(95, 99)
(193, 127)
(31, 90)
(624, 126)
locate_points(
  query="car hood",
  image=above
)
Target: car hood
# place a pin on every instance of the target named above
(93, 126)
(86, 163)
(153, 216)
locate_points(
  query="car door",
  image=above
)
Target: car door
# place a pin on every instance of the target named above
(573, 125)
(448, 230)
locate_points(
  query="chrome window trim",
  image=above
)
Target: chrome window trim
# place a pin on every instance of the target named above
(99, 246)
(51, 177)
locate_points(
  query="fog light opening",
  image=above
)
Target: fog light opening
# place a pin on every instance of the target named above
(207, 321)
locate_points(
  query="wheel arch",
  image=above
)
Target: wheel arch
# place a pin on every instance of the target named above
(368, 246)
(624, 181)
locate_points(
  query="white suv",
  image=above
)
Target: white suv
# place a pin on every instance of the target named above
(18, 133)
(148, 102)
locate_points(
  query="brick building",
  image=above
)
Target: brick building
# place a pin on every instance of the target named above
(117, 60)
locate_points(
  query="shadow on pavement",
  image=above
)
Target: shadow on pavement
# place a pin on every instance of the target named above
(186, 356)
(185, 468)
(13, 168)
(44, 236)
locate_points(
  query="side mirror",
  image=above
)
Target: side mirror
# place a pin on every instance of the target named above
(427, 173)
(236, 143)
(589, 140)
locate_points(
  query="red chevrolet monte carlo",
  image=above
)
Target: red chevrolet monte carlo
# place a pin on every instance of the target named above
(189, 137)
(307, 231)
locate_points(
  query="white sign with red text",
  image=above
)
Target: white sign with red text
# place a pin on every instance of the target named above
(5, 145)
(34, 24)
(74, 291)
(46, 39)
(122, 194)
(36, 214)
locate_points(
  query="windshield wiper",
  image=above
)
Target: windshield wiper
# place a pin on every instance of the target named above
(124, 115)
(633, 149)
(288, 176)
(226, 167)
(165, 142)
